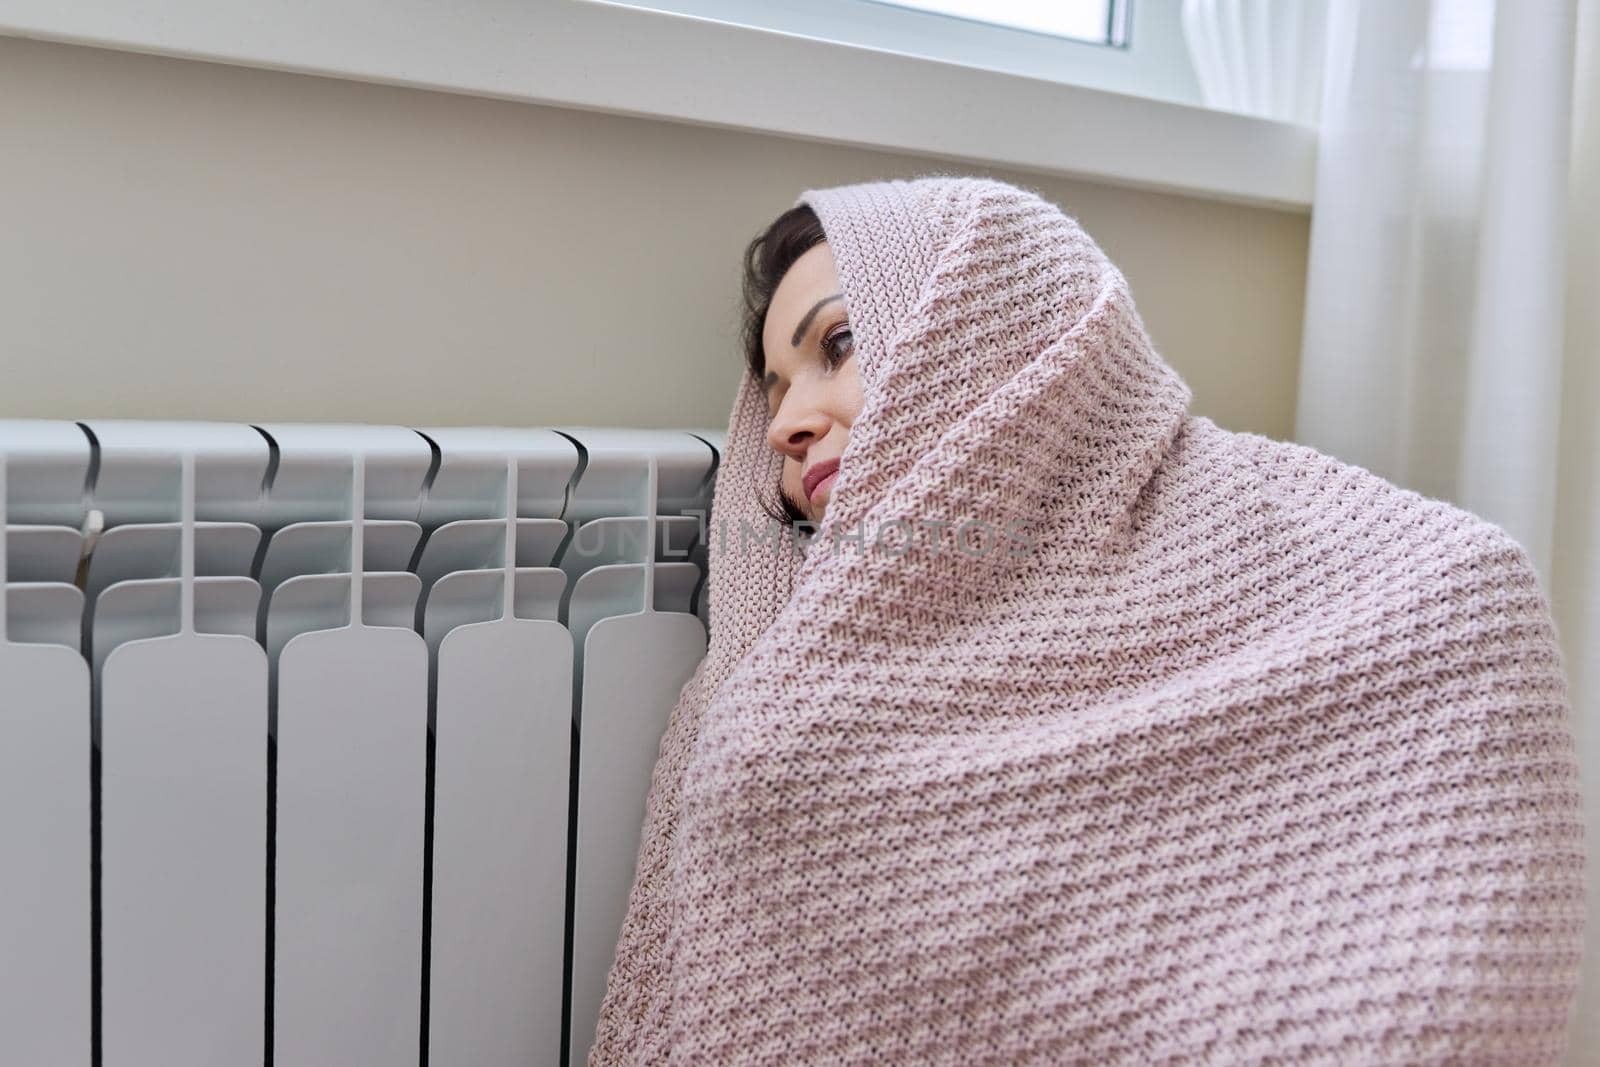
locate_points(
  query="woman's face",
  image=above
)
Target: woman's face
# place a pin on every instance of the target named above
(813, 390)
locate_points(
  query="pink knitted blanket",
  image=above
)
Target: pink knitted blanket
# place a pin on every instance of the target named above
(1222, 752)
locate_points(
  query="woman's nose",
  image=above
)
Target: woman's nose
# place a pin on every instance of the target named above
(792, 431)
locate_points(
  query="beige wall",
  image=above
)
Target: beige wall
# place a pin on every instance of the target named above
(193, 240)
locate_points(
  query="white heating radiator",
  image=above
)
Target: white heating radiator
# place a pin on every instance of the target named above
(271, 793)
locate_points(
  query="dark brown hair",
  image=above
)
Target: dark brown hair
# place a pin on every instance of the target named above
(767, 259)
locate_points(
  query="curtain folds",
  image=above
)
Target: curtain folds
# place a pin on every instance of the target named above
(1452, 322)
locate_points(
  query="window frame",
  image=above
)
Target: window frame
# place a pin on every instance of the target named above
(609, 57)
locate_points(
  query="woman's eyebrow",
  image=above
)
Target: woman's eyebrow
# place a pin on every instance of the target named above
(800, 330)
(771, 377)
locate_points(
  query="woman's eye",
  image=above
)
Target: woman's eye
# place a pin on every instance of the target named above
(835, 351)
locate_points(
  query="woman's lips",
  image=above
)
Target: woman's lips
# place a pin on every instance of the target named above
(820, 486)
(818, 475)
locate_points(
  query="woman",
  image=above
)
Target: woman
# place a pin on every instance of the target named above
(794, 310)
(1082, 730)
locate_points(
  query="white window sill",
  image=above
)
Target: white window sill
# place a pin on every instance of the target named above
(607, 57)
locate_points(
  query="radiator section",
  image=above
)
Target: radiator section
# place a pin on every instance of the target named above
(329, 744)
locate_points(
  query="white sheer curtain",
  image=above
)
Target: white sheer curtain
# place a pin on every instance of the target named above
(1452, 323)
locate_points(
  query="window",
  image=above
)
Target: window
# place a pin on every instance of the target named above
(868, 73)
(1095, 21)
(1132, 47)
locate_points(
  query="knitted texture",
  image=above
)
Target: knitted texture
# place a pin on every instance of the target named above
(1247, 756)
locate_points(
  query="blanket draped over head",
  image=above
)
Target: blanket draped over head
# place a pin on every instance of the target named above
(1223, 751)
